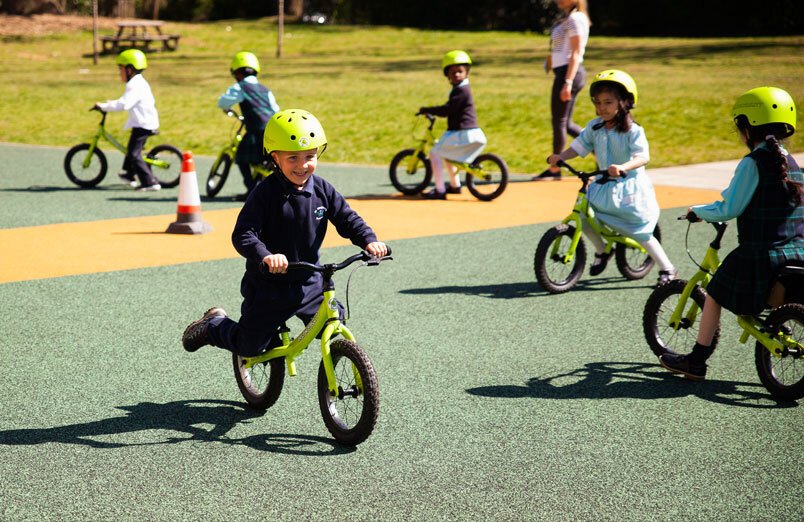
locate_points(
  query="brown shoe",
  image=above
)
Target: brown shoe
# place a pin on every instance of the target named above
(196, 334)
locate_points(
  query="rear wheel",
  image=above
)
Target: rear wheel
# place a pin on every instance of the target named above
(93, 173)
(407, 180)
(632, 263)
(218, 174)
(168, 172)
(555, 275)
(351, 413)
(262, 383)
(492, 182)
(662, 334)
(783, 374)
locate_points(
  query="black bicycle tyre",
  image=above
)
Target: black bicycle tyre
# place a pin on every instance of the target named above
(218, 174)
(661, 337)
(170, 177)
(261, 384)
(78, 180)
(346, 426)
(540, 261)
(772, 370)
(621, 253)
(473, 186)
(399, 179)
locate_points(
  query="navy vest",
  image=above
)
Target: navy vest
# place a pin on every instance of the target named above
(256, 106)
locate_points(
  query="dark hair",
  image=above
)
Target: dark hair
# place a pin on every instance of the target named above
(623, 119)
(246, 71)
(771, 134)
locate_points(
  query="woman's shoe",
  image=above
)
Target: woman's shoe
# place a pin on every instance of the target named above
(599, 264)
(547, 175)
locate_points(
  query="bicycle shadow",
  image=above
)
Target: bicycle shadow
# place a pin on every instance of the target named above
(633, 380)
(187, 419)
(522, 289)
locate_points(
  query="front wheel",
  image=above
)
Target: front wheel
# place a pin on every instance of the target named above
(218, 174)
(632, 263)
(661, 332)
(491, 181)
(410, 179)
(783, 374)
(85, 176)
(165, 161)
(552, 271)
(261, 384)
(351, 414)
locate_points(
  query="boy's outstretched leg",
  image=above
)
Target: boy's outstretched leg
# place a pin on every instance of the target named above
(196, 334)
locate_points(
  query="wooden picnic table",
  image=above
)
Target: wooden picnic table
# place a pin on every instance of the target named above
(135, 34)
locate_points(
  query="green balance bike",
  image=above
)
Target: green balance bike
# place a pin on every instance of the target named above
(411, 171)
(670, 323)
(348, 393)
(86, 165)
(223, 163)
(560, 256)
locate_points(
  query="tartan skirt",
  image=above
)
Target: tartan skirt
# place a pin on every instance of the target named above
(251, 149)
(743, 281)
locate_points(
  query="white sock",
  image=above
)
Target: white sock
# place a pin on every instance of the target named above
(656, 251)
(593, 236)
(438, 171)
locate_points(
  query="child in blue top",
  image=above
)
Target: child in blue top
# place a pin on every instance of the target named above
(463, 140)
(628, 205)
(284, 219)
(257, 105)
(765, 195)
(143, 120)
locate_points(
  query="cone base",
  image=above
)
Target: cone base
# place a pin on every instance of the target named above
(194, 227)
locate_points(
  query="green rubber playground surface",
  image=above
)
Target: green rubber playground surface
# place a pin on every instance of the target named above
(498, 401)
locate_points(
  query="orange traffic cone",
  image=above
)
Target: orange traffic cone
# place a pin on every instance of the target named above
(188, 215)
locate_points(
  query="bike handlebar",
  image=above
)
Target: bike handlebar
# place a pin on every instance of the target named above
(364, 256)
(582, 175)
(233, 114)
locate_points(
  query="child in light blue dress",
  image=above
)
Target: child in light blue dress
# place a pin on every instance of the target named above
(628, 204)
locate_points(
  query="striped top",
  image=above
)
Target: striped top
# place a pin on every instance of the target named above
(576, 24)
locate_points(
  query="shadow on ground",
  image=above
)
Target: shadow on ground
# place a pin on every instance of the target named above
(632, 380)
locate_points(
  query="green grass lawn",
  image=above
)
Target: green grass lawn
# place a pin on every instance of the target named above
(365, 84)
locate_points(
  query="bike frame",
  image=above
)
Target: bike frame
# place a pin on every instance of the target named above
(751, 325)
(106, 135)
(326, 319)
(582, 208)
(424, 144)
(257, 169)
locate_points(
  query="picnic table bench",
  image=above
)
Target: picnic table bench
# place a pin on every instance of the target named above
(134, 34)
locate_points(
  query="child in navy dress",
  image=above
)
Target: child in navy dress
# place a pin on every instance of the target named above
(765, 195)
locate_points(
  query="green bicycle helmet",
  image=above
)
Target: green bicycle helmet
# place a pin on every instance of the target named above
(456, 57)
(294, 130)
(133, 57)
(764, 105)
(245, 59)
(619, 77)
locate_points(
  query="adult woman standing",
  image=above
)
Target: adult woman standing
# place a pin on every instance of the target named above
(568, 38)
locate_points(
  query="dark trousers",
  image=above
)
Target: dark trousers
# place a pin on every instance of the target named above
(562, 110)
(134, 162)
(245, 170)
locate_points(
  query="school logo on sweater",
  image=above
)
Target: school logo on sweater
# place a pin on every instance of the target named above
(320, 212)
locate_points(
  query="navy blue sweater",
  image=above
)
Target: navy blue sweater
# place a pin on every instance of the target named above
(279, 219)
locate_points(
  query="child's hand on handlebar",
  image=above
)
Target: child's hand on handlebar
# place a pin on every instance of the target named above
(692, 217)
(553, 159)
(377, 249)
(616, 171)
(276, 263)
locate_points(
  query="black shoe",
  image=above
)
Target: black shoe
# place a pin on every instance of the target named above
(196, 334)
(128, 179)
(453, 190)
(665, 276)
(547, 175)
(434, 194)
(683, 365)
(599, 264)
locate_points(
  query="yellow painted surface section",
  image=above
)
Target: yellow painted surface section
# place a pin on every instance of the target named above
(120, 244)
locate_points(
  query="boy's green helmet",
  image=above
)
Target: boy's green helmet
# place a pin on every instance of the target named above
(456, 57)
(619, 77)
(245, 59)
(134, 58)
(294, 130)
(764, 105)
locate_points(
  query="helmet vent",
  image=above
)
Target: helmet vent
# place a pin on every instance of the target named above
(292, 137)
(775, 106)
(312, 134)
